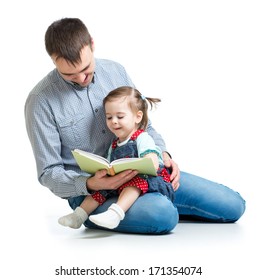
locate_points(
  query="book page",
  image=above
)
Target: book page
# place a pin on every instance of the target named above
(120, 160)
(142, 165)
(93, 156)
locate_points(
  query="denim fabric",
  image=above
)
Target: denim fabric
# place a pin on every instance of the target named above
(207, 200)
(196, 197)
(155, 184)
(152, 213)
(128, 150)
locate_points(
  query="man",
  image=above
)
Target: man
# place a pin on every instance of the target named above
(64, 111)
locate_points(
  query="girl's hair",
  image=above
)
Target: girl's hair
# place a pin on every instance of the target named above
(66, 37)
(136, 101)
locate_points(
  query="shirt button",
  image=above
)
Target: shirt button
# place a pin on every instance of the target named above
(96, 110)
(103, 131)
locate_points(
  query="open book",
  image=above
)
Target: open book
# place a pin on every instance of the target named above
(91, 163)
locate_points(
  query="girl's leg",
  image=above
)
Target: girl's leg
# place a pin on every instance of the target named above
(80, 214)
(206, 200)
(152, 213)
(127, 197)
(116, 212)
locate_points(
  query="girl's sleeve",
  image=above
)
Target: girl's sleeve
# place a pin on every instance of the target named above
(146, 145)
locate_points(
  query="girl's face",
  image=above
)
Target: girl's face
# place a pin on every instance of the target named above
(120, 119)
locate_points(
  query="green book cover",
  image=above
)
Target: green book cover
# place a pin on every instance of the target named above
(91, 163)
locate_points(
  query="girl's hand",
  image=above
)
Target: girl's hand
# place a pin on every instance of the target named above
(154, 158)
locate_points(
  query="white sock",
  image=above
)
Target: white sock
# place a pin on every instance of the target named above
(110, 218)
(75, 219)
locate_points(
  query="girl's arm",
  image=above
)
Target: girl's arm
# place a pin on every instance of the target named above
(154, 158)
(147, 148)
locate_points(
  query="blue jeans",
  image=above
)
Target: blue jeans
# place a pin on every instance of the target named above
(196, 198)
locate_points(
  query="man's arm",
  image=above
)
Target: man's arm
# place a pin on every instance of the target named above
(156, 137)
(46, 146)
(168, 161)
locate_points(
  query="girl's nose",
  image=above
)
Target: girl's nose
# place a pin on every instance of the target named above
(114, 120)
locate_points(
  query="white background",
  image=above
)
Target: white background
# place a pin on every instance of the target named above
(200, 57)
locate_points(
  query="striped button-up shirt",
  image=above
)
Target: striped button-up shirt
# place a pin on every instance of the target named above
(61, 116)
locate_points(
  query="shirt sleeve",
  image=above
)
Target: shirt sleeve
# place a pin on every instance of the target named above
(156, 137)
(46, 146)
(146, 145)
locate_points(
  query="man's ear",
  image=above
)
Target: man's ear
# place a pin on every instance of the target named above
(139, 116)
(92, 45)
(53, 57)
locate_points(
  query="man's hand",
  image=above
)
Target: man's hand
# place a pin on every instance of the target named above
(175, 172)
(101, 181)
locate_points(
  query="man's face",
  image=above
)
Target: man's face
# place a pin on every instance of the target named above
(82, 73)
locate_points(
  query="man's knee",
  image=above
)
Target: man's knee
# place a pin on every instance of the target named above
(159, 211)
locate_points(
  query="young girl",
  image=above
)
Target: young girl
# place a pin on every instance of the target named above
(126, 116)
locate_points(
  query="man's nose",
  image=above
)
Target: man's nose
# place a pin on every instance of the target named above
(80, 78)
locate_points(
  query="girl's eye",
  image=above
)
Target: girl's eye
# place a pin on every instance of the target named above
(109, 118)
(120, 118)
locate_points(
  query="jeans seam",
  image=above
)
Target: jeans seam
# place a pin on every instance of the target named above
(200, 210)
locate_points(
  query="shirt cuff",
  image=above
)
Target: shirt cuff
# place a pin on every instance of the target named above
(167, 154)
(80, 185)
